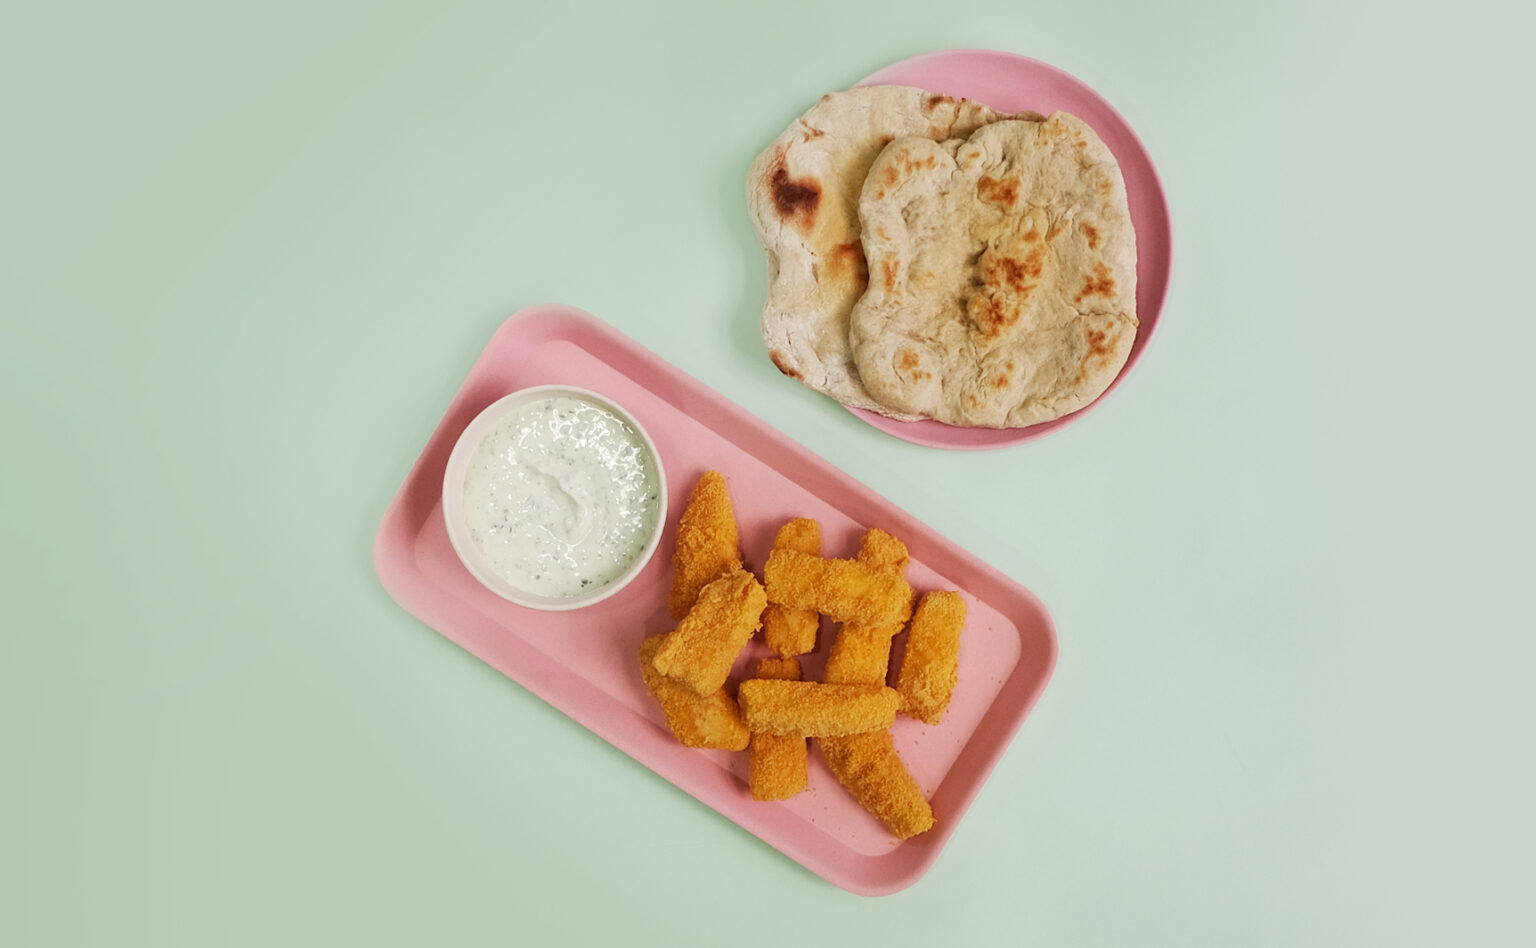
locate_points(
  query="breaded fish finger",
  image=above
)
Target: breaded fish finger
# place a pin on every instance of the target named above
(813, 709)
(701, 650)
(776, 767)
(862, 653)
(707, 542)
(791, 631)
(697, 720)
(867, 764)
(846, 590)
(932, 662)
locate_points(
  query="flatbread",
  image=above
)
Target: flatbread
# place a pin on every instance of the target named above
(1004, 289)
(803, 191)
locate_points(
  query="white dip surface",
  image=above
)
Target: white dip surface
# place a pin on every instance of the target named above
(561, 497)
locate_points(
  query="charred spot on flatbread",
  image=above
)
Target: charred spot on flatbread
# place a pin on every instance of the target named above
(1004, 191)
(847, 261)
(796, 201)
(782, 364)
(1098, 283)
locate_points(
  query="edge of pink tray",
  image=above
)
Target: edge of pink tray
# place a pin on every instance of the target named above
(582, 662)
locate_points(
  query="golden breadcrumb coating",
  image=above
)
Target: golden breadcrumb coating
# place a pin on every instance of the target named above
(931, 665)
(861, 654)
(707, 542)
(701, 650)
(697, 720)
(780, 669)
(880, 550)
(867, 764)
(845, 590)
(777, 763)
(813, 709)
(787, 630)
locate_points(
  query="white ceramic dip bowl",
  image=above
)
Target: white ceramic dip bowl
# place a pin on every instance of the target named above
(554, 497)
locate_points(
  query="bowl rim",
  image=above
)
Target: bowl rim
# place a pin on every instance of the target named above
(453, 498)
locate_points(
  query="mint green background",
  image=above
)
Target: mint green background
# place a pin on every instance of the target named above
(249, 253)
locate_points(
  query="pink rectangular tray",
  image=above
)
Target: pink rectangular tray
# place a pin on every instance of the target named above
(583, 662)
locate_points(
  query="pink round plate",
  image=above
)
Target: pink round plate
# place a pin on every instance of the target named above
(1011, 83)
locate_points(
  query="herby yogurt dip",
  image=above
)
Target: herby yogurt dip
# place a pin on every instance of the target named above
(561, 497)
